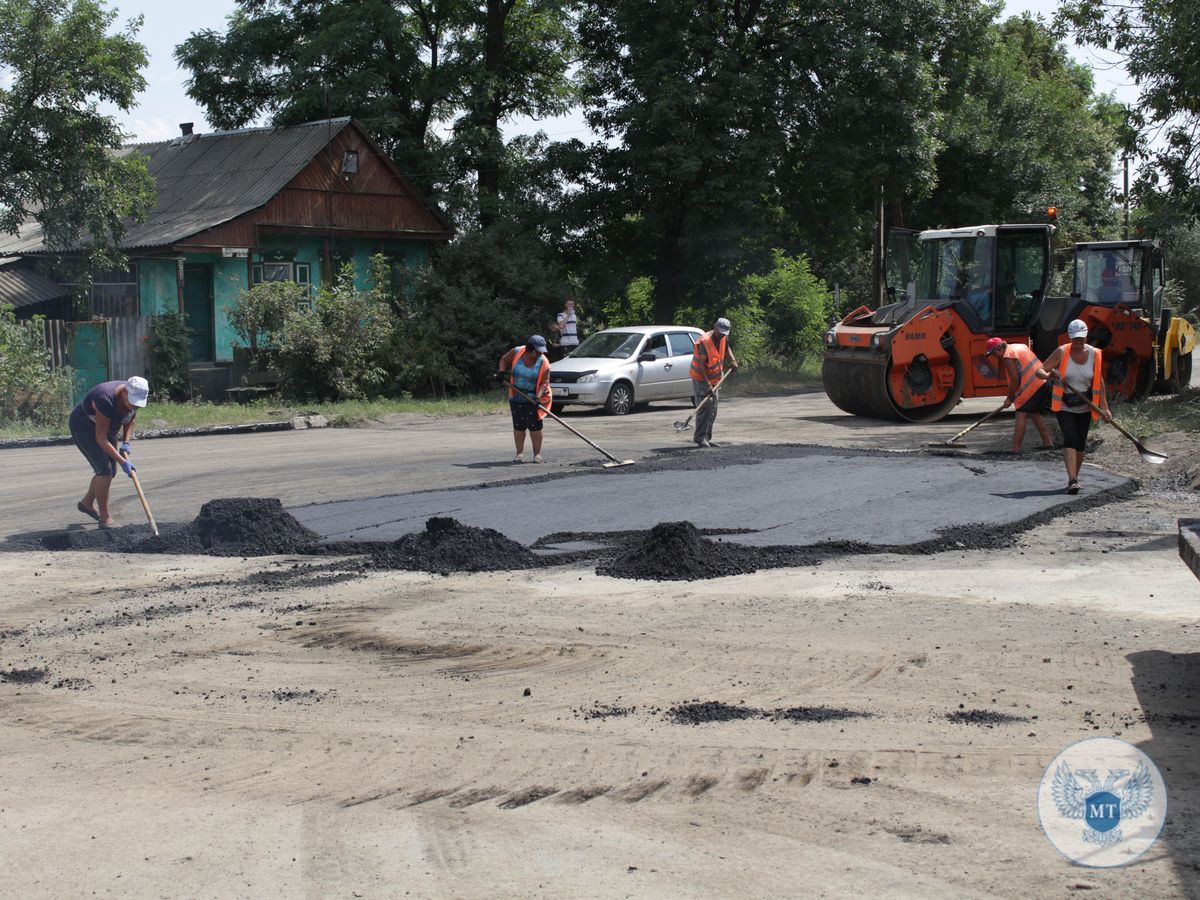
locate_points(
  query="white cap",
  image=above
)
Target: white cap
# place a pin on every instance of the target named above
(1077, 329)
(723, 326)
(137, 389)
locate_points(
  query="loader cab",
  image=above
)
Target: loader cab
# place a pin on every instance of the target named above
(1125, 272)
(995, 274)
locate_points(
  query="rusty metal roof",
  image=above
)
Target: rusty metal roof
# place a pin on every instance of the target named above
(24, 287)
(205, 179)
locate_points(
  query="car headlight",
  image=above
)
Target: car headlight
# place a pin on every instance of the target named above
(590, 378)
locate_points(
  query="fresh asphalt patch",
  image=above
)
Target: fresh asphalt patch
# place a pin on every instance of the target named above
(789, 496)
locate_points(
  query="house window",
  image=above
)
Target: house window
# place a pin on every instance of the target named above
(115, 292)
(350, 162)
(301, 273)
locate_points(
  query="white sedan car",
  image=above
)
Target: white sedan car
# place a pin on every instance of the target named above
(621, 367)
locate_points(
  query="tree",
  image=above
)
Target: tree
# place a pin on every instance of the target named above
(57, 160)
(401, 67)
(726, 122)
(1157, 40)
(1022, 129)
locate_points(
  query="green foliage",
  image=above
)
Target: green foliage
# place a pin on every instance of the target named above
(1021, 130)
(56, 164)
(169, 357)
(486, 293)
(633, 306)
(259, 316)
(335, 348)
(31, 390)
(796, 306)
(1157, 41)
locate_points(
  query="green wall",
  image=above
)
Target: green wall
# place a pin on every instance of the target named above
(159, 292)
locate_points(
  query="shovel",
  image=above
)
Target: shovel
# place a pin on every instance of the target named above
(1154, 457)
(680, 426)
(137, 486)
(969, 428)
(608, 465)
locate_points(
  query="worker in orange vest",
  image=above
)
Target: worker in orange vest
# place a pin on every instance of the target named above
(1081, 367)
(1030, 394)
(708, 362)
(528, 370)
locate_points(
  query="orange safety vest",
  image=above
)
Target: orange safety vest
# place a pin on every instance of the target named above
(1028, 383)
(542, 385)
(1056, 402)
(710, 368)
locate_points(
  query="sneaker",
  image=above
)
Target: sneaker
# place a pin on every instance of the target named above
(518, 458)
(537, 458)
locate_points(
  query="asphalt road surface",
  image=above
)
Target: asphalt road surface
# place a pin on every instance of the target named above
(806, 497)
(414, 453)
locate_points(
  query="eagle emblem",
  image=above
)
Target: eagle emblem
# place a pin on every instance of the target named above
(1102, 806)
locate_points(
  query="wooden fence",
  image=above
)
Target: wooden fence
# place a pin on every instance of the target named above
(128, 344)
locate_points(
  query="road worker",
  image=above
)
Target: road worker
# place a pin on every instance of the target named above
(708, 362)
(1030, 394)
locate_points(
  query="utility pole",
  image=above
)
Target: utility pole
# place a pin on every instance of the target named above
(1125, 229)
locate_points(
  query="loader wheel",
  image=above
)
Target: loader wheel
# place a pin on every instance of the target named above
(1174, 383)
(1185, 371)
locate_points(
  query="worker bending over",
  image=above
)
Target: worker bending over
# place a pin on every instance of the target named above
(1025, 389)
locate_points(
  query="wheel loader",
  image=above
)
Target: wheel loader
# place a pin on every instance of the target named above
(1118, 291)
(916, 357)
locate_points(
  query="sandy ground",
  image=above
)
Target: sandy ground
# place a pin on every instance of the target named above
(201, 732)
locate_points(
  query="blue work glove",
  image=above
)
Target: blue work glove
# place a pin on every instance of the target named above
(126, 450)
(128, 468)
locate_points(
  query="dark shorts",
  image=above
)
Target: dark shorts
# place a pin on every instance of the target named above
(83, 433)
(524, 416)
(1038, 402)
(1075, 427)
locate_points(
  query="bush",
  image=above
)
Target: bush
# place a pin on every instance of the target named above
(260, 314)
(795, 305)
(31, 390)
(169, 356)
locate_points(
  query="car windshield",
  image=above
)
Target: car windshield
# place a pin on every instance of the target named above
(608, 345)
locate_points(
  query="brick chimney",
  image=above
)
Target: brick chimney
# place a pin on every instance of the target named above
(185, 128)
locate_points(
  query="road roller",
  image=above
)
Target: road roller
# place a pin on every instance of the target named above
(916, 357)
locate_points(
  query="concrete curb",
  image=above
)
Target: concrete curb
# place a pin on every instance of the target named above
(297, 423)
(1189, 544)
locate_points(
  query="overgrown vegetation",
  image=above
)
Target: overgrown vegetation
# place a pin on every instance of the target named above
(169, 353)
(1179, 412)
(32, 393)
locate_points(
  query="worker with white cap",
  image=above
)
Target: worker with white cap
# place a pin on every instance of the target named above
(106, 410)
(708, 363)
(1079, 366)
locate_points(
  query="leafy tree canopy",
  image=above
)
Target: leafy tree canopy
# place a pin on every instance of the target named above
(1158, 41)
(57, 164)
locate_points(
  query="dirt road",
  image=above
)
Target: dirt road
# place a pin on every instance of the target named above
(228, 727)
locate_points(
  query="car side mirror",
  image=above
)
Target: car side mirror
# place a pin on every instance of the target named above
(646, 357)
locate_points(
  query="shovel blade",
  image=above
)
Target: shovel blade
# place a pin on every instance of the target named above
(1149, 454)
(613, 465)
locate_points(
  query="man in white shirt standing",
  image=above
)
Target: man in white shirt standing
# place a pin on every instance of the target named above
(567, 326)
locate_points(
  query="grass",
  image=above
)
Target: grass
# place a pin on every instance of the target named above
(748, 381)
(346, 413)
(1158, 415)
(769, 378)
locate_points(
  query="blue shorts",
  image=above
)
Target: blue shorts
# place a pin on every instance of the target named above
(83, 433)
